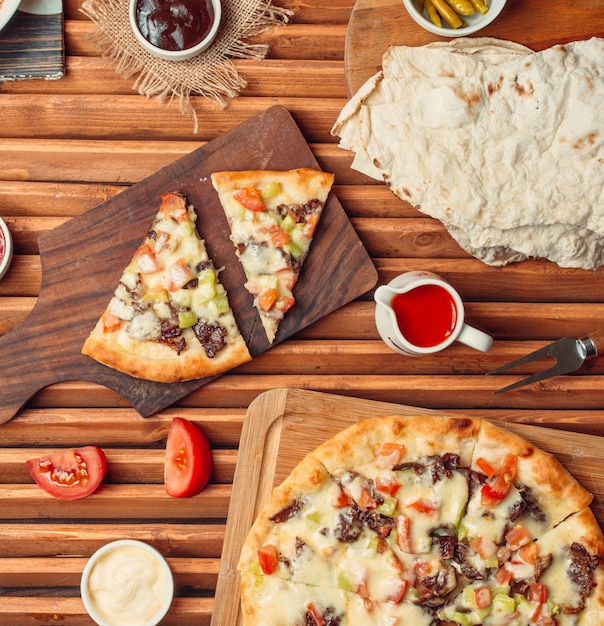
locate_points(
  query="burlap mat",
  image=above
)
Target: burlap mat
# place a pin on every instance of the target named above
(211, 74)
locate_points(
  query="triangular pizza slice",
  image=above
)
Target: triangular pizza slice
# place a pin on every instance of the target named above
(272, 216)
(169, 318)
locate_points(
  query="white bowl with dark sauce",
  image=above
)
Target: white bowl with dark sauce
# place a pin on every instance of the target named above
(175, 30)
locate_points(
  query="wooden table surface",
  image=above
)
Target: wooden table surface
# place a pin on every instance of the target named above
(70, 144)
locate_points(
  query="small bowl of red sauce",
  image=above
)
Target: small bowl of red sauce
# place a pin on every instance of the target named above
(175, 30)
(6, 248)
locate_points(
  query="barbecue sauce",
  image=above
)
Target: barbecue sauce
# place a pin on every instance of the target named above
(174, 24)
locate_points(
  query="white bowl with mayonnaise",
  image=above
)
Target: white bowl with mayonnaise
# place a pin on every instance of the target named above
(127, 583)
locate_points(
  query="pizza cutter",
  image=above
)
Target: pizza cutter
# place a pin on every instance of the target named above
(569, 355)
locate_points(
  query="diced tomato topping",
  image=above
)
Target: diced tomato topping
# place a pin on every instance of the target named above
(492, 495)
(267, 298)
(285, 303)
(503, 576)
(110, 322)
(279, 238)
(517, 537)
(287, 277)
(484, 547)
(250, 198)
(424, 567)
(482, 597)
(174, 206)
(365, 500)
(314, 613)
(341, 500)
(386, 482)
(403, 532)
(485, 467)
(362, 588)
(389, 454)
(423, 506)
(399, 591)
(537, 592)
(145, 259)
(311, 224)
(179, 275)
(268, 558)
(529, 553)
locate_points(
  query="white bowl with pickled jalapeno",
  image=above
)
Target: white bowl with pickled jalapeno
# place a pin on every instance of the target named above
(454, 18)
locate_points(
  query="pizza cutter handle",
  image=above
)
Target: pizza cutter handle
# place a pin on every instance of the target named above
(593, 343)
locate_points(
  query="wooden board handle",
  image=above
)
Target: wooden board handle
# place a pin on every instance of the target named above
(25, 371)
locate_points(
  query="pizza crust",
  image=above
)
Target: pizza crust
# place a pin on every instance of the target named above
(157, 362)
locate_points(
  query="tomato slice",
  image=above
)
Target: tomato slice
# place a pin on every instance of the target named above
(188, 463)
(69, 474)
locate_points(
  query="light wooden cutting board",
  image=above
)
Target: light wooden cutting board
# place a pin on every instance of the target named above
(376, 24)
(283, 425)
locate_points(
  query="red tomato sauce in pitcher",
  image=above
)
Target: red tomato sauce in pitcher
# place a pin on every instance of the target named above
(174, 24)
(2, 246)
(426, 315)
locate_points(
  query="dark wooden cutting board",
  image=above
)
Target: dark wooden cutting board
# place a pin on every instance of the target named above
(82, 261)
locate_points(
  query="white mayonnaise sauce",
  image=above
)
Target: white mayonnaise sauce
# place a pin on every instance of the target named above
(127, 586)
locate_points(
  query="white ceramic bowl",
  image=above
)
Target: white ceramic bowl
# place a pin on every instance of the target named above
(127, 582)
(474, 22)
(177, 55)
(7, 9)
(7, 243)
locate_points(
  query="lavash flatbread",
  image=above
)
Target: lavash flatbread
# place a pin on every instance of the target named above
(503, 145)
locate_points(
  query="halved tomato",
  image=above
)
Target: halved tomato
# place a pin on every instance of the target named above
(69, 474)
(188, 463)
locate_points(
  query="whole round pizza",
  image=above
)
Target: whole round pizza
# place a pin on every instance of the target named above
(424, 521)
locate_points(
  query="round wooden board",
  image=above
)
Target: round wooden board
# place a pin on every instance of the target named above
(376, 24)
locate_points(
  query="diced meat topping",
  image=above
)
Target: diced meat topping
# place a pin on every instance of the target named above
(443, 466)
(300, 212)
(350, 525)
(211, 336)
(581, 570)
(462, 552)
(328, 617)
(287, 512)
(526, 505)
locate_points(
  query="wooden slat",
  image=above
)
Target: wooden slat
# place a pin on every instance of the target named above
(266, 78)
(122, 117)
(122, 161)
(69, 611)
(174, 540)
(67, 571)
(144, 502)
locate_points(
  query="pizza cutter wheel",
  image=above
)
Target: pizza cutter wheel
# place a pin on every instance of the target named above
(569, 355)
